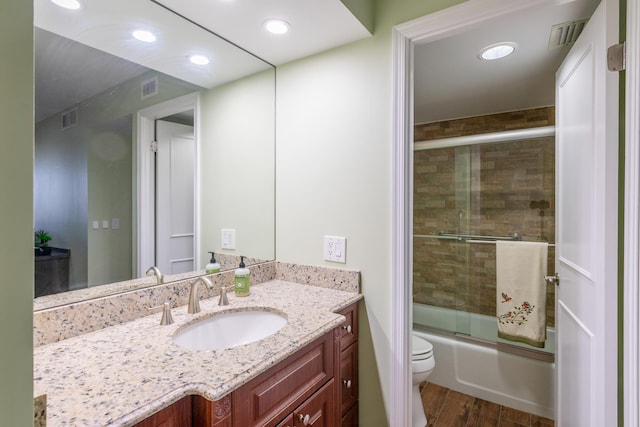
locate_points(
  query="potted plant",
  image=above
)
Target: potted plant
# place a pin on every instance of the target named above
(42, 239)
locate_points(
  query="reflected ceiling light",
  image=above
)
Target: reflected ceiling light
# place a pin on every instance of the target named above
(276, 26)
(199, 59)
(497, 51)
(67, 4)
(144, 36)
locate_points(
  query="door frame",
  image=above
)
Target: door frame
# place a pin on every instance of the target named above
(446, 23)
(145, 185)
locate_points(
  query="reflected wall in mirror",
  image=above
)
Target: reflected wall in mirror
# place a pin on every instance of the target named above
(100, 96)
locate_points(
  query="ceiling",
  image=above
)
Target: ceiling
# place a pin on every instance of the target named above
(451, 82)
(214, 28)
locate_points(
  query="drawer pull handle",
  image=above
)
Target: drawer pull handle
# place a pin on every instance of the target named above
(347, 383)
(347, 328)
(304, 419)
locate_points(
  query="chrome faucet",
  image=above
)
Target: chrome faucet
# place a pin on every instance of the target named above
(194, 294)
(154, 271)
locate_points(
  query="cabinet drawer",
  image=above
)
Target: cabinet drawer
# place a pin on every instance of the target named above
(348, 377)
(268, 398)
(318, 411)
(287, 422)
(349, 330)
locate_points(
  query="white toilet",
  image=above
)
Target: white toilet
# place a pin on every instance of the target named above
(422, 364)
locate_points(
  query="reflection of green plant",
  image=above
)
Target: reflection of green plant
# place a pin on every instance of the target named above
(42, 238)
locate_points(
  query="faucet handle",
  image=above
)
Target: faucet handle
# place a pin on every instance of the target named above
(167, 319)
(223, 296)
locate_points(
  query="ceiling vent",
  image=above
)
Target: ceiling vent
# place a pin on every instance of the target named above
(150, 87)
(69, 119)
(566, 34)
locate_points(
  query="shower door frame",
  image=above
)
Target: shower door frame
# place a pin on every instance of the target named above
(448, 22)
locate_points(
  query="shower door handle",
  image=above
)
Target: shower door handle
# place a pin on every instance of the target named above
(553, 280)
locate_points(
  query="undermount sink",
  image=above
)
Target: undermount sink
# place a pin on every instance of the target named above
(229, 329)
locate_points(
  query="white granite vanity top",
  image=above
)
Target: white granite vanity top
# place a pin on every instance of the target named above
(122, 374)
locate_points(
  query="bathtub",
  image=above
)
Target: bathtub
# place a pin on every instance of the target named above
(481, 368)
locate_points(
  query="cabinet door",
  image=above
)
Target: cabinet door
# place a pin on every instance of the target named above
(350, 419)
(348, 377)
(318, 410)
(350, 327)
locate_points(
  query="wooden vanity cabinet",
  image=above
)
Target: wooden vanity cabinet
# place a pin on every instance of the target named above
(317, 411)
(348, 379)
(317, 385)
(281, 390)
(175, 415)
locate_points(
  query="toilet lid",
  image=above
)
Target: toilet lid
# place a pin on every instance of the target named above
(420, 348)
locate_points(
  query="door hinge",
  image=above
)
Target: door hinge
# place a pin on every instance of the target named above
(616, 54)
(154, 146)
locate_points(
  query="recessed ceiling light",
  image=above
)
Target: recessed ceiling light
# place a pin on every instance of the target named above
(199, 59)
(67, 4)
(497, 51)
(277, 26)
(144, 36)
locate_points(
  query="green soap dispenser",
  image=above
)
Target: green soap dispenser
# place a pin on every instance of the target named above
(242, 280)
(213, 266)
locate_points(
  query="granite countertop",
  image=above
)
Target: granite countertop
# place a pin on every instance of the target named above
(120, 375)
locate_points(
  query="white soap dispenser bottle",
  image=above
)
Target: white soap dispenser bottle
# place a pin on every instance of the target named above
(242, 280)
(213, 266)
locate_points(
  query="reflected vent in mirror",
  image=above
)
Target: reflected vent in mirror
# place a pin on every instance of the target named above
(566, 33)
(69, 118)
(149, 87)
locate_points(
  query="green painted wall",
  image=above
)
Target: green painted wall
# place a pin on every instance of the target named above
(333, 177)
(16, 213)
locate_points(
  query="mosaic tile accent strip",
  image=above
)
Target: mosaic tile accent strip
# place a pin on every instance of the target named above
(345, 280)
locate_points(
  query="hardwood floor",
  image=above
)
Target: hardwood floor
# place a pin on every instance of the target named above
(448, 408)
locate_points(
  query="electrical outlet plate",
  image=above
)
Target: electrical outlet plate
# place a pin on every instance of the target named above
(335, 249)
(228, 238)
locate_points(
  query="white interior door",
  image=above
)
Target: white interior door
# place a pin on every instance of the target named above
(175, 188)
(586, 253)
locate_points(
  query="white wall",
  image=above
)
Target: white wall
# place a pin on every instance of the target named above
(333, 177)
(16, 213)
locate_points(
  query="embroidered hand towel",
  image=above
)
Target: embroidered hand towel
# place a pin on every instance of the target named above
(521, 291)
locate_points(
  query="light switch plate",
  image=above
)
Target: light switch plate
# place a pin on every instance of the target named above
(115, 224)
(95, 225)
(228, 238)
(105, 223)
(335, 249)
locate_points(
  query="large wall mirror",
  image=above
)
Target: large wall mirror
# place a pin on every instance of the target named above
(147, 153)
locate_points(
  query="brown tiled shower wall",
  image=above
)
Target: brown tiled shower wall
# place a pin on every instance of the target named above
(492, 189)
